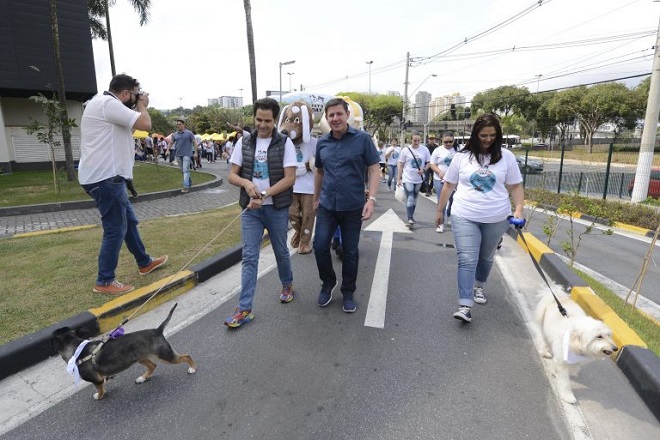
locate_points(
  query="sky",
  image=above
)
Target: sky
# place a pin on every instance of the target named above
(193, 50)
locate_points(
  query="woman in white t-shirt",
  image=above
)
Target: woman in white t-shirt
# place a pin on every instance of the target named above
(412, 163)
(392, 156)
(483, 174)
(440, 160)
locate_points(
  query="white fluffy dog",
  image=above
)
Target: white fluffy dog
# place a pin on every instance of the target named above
(571, 340)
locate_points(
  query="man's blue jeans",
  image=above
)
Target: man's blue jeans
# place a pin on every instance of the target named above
(119, 225)
(350, 223)
(253, 223)
(476, 244)
(184, 166)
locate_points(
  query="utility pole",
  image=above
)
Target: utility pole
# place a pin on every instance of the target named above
(405, 103)
(645, 160)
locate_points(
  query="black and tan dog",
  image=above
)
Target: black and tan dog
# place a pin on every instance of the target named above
(95, 364)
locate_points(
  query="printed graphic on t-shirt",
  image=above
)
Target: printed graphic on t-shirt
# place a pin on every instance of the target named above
(416, 161)
(260, 165)
(483, 180)
(447, 160)
(299, 155)
(395, 155)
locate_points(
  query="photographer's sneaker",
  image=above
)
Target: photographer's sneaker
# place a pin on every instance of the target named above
(479, 297)
(463, 314)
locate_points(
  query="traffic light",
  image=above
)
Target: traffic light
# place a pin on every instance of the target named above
(468, 113)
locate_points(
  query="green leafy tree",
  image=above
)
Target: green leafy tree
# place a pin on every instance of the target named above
(159, 123)
(50, 132)
(100, 9)
(504, 100)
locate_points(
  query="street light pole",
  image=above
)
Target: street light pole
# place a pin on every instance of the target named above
(286, 63)
(538, 79)
(370, 63)
(290, 74)
(405, 101)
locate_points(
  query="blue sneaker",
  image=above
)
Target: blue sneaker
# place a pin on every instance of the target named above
(349, 305)
(325, 295)
(238, 318)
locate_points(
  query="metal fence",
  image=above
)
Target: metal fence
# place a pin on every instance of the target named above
(603, 171)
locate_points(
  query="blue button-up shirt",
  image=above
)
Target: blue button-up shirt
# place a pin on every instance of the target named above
(344, 162)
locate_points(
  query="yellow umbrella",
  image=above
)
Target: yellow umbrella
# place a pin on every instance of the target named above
(139, 134)
(206, 137)
(217, 137)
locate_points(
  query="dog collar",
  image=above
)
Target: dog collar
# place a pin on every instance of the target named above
(569, 356)
(72, 365)
(92, 355)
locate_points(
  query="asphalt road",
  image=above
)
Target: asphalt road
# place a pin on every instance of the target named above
(298, 371)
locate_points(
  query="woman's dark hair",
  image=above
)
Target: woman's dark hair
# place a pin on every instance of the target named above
(473, 145)
(266, 104)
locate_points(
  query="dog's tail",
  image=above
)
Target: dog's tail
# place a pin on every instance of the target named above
(161, 327)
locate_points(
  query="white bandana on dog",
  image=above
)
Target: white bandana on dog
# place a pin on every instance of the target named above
(570, 357)
(72, 366)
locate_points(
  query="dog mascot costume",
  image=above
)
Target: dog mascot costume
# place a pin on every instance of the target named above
(296, 122)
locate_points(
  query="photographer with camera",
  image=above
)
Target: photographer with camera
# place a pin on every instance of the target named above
(106, 169)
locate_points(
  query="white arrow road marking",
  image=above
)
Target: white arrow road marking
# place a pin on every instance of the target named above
(388, 224)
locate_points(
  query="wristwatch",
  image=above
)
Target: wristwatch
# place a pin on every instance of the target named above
(372, 198)
(263, 194)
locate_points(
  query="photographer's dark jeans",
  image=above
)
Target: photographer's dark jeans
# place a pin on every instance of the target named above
(119, 225)
(350, 223)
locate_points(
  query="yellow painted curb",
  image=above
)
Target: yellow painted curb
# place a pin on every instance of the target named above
(594, 306)
(536, 247)
(54, 231)
(112, 314)
(631, 228)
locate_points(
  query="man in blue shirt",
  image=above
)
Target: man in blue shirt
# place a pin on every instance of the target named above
(184, 141)
(343, 157)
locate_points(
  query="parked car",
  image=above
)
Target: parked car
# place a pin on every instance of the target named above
(532, 166)
(654, 184)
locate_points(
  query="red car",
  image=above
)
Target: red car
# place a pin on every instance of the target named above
(654, 184)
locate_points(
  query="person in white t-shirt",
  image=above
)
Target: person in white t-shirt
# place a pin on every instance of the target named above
(440, 160)
(483, 174)
(106, 168)
(412, 163)
(263, 165)
(392, 156)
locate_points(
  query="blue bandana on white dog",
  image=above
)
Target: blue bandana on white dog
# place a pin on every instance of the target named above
(72, 366)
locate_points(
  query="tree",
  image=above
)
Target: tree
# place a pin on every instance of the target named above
(49, 133)
(250, 42)
(63, 114)
(159, 123)
(504, 100)
(98, 9)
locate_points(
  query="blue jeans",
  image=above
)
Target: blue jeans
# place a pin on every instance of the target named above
(253, 223)
(391, 175)
(350, 223)
(184, 166)
(119, 225)
(476, 244)
(412, 191)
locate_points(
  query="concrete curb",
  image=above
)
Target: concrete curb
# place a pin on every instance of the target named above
(636, 361)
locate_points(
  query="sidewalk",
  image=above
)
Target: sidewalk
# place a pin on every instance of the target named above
(195, 201)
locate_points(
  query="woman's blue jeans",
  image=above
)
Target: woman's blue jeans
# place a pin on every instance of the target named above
(412, 191)
(391, 175)
(119, 225)
(350, 223)
(253, 223)
(476, 244)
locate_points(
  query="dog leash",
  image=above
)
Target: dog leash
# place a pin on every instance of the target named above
(118, 331)
(518, 224)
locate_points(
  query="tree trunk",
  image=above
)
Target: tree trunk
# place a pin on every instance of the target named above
(250, 41)
(109, 32)
(61, 92)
